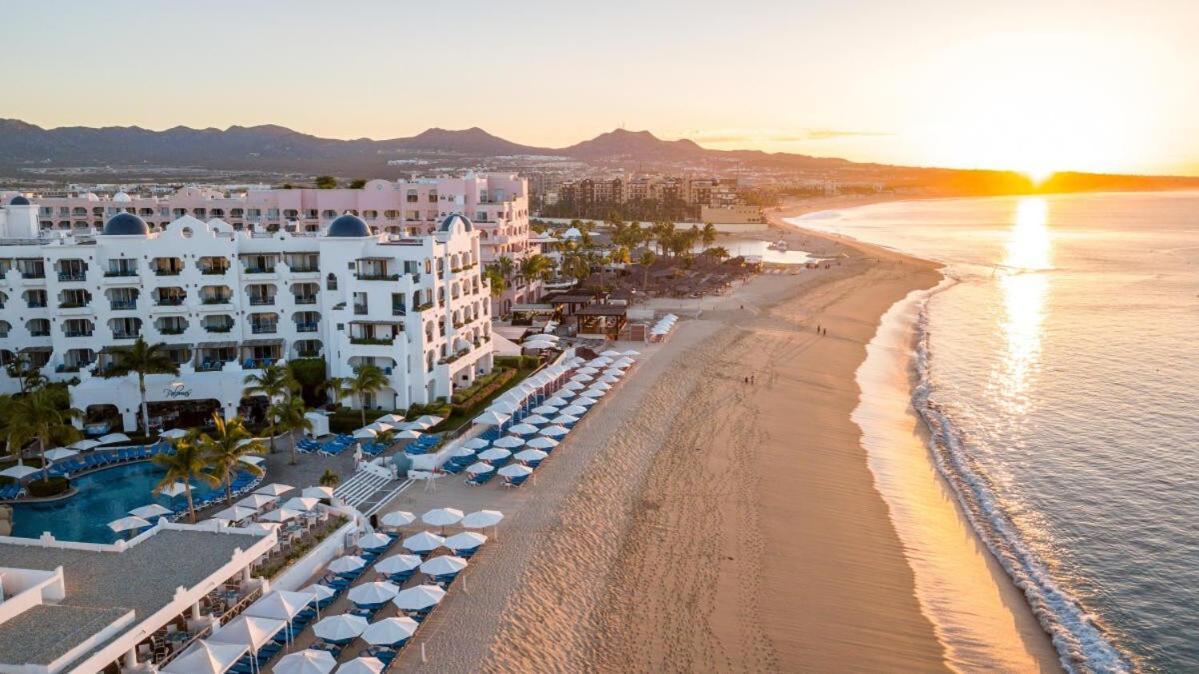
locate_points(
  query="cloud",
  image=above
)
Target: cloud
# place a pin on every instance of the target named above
(757, 137)
(833, 134)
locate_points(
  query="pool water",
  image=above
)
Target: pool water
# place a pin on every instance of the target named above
(101, 497)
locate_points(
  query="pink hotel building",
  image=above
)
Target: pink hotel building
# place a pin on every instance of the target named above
(497, 204)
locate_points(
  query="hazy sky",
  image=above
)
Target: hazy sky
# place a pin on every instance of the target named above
(1032, 85)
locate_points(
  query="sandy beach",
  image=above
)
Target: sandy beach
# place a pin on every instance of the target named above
(697, 522)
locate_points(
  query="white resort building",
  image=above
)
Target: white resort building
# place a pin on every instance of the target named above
(229, 299)
(497, 204)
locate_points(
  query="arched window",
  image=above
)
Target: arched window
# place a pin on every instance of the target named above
(331, 282)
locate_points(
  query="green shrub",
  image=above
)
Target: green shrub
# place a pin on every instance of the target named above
(52, 487)
(484, 386)
(522, 362)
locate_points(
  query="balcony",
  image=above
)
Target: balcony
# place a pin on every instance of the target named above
(176, 330)
(167, 272)
(216, 300)
(261, 301)
(125, 335)
(120, 273)
(169, 302)
(305, 299)
(260, 270)
(360, 310)
(399, 310)
(77, 333)
(218, 328)
(72, 277)
(36, 304)
(214, 271)
(39, 333)
(33, 274)
(305, 269)
(122, 305)
(307, 327)
(264, 328)
(377, 277)
(373, 341)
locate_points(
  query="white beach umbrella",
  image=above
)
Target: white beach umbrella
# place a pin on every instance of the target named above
(599, 386)
(482, 519)
(613, 372)
(610, 354)
(340, 627)
(529, 455)
(251, 459)
(492, 418)
(397, 518)
(506, 442)
(248, 630)
(365, 433)
(442, 517)
(392, 419)
(583, 377)
(542, 442)
(516, 470)
(574, 386)
(59, 453)
(256, 501)
(412, 426)
(583, 400)
(19, 471)
(373, 593)
(504, 405)
(558, 401)
(207, 657)
(310, 661)
(462, 453)
(262, 527)
(346, 564)
(397, 564)
(536, 419)
(280, 515)
(479, 468)
(554, 431)
(522, 429)
(494, 454)
(624, 363)
(173, 434)
(423, 542)
(150, 510)
(84, 445)
(234, 513)
(442, 565)
(362, 665)
(318, 492)
(599, 363)
(430, 420)
(476, 443)
(379, 426)
(540, 410)
(574, 410)
(171, 490)
(301, 503)
(390, 631)
(281, 604)
(113, 438)
(564, 419)
(408, 434)
(127, 524)
(274, 489)
(538, 344)
(631, 353)
(322, 592)
(374, 541)
(466, 540)
(418, 598)
(609, 379)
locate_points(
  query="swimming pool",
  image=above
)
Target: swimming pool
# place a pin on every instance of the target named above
(102, 497)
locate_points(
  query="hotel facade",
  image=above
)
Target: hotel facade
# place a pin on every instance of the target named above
(227, 300)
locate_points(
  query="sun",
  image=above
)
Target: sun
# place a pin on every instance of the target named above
(1039, 175)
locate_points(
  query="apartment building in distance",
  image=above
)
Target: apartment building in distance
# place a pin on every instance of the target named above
(497, 205)
(226, 300)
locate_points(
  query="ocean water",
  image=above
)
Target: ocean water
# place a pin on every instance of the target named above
(1058, 375)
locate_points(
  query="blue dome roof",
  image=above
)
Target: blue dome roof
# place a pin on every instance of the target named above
(18, 201)
(348, 226)
(448, 223)
(125, 224)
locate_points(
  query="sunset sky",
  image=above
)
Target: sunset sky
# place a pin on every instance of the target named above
(1025, 84)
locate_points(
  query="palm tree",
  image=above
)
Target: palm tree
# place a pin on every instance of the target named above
(275, 381)
(367, 380)
(288, 415)
(223, 451)
(38, 415)
(495, 279)
(329, 478)
(506, 266)
(189, 461)
(576, 266)
(717, 253)
(386, 438)
(707, 235)
(24, 371)
(143, 359)
(647, 260)
(535, 267)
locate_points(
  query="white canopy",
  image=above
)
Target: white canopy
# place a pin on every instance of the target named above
(112, 438)
(127, 523)
(340, 627)
(347, 564)
(536, 419)
(362, 665)
(482, 519)
(418, 598)
(234, 513)
(506, 442)
(430, 420)
(280, 604)
(495, 454)
(573, 410)
(466, 540)
(310, 661)
(322, 592)
(423, 542)
(280, 515)
(610, 353)
(262, 527)
(59, 453)
(631, 352)
(558, 401)
(542, 442)
(522, 429)
(380, 426)
(274, 489)
(19, 471)
(462, 452)
(529, 455)
(174, 489)
(365, 433)
(492, 418)
(374, 541)
(516, 470)
(256, 501)
(317, 492)
(301, 503)
(248, 630)
(373, 593)
(574, 386)
(540, 410)
(150, 510)
(442, 517)
(397, 564)
(479, 468)
(554, 431)
(443, 564)
(397, 518)
(390, 631)
(173, 434)
(85, 444)
(408, 434)
(207, 657)
(587, 370)
(392, 419)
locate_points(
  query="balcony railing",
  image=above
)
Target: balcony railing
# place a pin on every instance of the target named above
(365, 276)
(39, 333)
(77, 333)
(261, 301)
(33, 274)
(122, 305)
(305, 299)
(169, 301)
(125, 335)
(264, 328)
(360, 310)
(167, 272)
(35, 304)
(304, 269)
(66, 277)
(219, 328)
(307, 327)
(399, 310)
(214, 271)
(377, 341)
(70, 304)
(260, 270)
(120, 273)
(216, 300)
(171, 331)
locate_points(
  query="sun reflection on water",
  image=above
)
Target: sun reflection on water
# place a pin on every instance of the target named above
(1024, 287)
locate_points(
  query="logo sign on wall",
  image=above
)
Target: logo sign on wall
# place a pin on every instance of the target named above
(177, 389)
